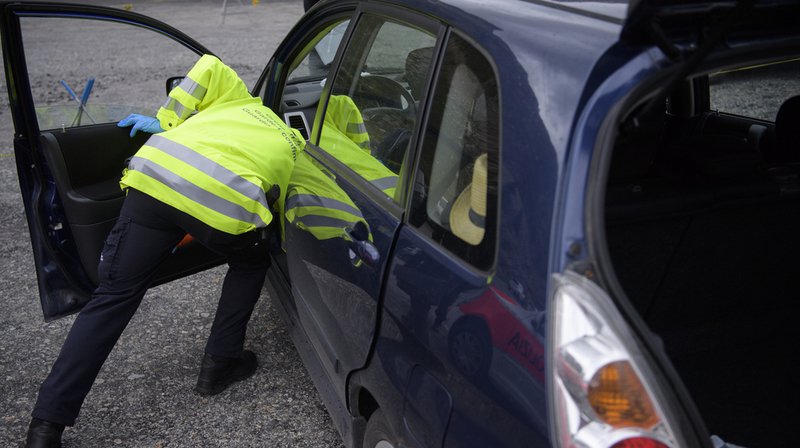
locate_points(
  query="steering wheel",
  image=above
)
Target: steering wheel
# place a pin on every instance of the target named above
(389, 132)
(380, 91)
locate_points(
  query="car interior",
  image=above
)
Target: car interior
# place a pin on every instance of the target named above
(702, 209)
(387, 101)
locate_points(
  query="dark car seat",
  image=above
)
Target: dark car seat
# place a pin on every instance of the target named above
(417, 63)
(787, 130)
(392, 148)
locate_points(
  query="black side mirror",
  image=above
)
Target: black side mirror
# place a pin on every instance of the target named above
(173, 82)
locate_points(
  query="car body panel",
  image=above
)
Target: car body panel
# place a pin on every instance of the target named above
(544, 123)
(335, 292)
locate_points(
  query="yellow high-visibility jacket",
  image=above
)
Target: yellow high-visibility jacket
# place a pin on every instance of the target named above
(316, 204)
(217, 164)
(337, 141)
(343, 114)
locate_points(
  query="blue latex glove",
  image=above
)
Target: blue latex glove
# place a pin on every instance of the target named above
(141, 123)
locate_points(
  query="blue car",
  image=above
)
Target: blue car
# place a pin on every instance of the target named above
(515, 223)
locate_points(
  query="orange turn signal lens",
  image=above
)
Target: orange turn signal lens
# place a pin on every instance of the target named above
(617, 396)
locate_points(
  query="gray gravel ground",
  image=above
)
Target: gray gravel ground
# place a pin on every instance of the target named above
(143, 396)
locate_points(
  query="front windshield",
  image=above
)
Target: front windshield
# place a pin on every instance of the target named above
(321, 52)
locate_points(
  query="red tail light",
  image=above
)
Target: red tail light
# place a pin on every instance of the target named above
(639, 442)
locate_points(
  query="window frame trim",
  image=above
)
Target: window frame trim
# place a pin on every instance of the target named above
(439, 53)
(339, 169)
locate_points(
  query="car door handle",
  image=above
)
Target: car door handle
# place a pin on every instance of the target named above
(361, 249)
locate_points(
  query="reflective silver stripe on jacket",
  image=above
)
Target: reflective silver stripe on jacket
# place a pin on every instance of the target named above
(210, 167)
(192, 88)
(356, 128)
(310, 200)
(385, 183)
(323, 221)
(195, 193)
(178, 108)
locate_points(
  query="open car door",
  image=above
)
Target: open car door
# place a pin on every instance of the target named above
(72, 73)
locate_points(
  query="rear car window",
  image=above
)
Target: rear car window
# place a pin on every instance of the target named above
(751, 91)
(455, 193)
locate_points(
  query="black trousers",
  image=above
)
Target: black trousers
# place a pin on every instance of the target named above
(145, 234)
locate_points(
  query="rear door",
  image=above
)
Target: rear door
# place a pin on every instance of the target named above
(72, 73)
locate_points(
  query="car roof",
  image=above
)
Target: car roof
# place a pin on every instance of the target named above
(490, 20)
(615, 10)
(609, 10)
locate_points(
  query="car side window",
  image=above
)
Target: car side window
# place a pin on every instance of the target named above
(307, 75)
(745, 91)
(315, 60)
(71, 87)
(456, 185)
(372, 107)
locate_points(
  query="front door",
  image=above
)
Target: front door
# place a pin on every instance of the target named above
(70, 154)
(345, 203)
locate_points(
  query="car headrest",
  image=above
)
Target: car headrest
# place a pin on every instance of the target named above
(787, 128)
(417, 63)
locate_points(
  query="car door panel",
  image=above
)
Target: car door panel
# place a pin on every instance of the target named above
(69, 173)
(86, 164)
(336, 292)
(88, 203)
(291, 85)
(88, 160)
(343, 209)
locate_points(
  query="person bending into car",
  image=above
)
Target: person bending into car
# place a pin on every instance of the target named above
(216, 168)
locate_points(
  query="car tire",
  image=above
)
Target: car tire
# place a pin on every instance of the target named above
(378, 433)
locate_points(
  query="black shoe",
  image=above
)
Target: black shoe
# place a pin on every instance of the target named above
(44, 434)
(217, 373)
